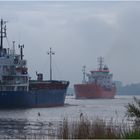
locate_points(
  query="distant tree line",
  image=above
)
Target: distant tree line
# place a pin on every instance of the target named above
(131, 89)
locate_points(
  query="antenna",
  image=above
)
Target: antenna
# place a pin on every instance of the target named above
(2, 32)
(84, 74)
(21, 51)
(100, 60)
(13, 47)
(50, 53)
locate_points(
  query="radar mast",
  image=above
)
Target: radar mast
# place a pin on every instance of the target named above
(101, 60)
(2, 32)
(50, 53)
(84, 74)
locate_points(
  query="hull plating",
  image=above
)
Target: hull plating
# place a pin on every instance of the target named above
(17, 99)
(91, 91)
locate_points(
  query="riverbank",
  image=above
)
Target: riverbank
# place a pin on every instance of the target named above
(97, 129)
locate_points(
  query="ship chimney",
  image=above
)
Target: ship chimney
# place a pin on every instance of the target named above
(39, 77)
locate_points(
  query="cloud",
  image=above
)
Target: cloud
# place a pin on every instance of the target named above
(78, 32)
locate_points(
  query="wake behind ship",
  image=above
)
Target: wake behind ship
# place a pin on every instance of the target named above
(99, 84)
(17, 89)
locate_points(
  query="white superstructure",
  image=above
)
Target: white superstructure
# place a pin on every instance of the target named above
(101, 76)
(13, 68)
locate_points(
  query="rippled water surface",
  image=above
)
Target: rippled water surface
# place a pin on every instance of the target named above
(41, 121)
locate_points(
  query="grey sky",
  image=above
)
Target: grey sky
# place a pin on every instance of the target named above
(78, 32)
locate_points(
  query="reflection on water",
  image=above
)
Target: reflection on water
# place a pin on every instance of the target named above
(22, 128)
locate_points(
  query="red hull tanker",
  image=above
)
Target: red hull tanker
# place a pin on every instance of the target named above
(90, 91)
(99, 84)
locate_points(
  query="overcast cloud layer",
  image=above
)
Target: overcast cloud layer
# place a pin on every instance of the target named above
(78, 32)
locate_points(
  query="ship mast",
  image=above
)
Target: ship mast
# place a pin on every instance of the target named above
(51, 53)
(100, 60)
(84, 74)
(14, 47)
(2, 32)
(21, 51)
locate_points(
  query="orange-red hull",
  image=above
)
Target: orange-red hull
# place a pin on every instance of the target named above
(91, 91)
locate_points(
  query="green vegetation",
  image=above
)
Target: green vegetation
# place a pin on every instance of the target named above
(133, 111)
(135, 134)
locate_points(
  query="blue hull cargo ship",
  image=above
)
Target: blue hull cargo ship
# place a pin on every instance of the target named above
(17, 90)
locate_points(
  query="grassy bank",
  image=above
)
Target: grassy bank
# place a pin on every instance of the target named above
(96, 129)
